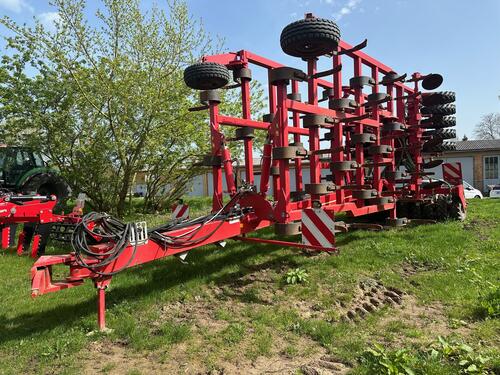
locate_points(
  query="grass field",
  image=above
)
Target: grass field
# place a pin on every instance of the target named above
(421, 300)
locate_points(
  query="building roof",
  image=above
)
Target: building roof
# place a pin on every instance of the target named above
(481, 144)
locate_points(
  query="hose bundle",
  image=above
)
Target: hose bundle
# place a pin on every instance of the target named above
(98, 228)
(105, 229)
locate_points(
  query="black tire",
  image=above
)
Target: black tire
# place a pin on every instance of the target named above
(445, 146)
(402, 209)
(310, 37)
(414, 211)
(441, 109)
(442, 133)
(441, 210)
(439, 122)
(429, 211)
(206, 76)
(438, 97)
(47, 184)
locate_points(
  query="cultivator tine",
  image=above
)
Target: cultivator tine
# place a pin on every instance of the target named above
(367, 226)
(199, 108)
(357, 47)
(391, 78)
(329, 72)
(230, 87)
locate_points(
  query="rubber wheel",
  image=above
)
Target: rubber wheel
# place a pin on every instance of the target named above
(442, 133)
(439, 122)
(47, 184)
(428, 211)
(441, 109)
(310, 37)
(441, 210)
(438, 97)
(402, 209)
(414, 211)
(206, 76)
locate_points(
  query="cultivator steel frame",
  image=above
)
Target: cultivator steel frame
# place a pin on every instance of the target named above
(367, 132)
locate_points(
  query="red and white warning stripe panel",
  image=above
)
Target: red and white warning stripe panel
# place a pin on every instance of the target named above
(452, 172)
(318, 228)
(180, 211)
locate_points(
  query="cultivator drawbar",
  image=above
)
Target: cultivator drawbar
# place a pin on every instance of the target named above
(368, 141)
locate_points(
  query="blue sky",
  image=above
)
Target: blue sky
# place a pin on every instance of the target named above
(458, 38)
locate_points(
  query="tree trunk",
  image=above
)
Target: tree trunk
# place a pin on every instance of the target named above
(122, 196)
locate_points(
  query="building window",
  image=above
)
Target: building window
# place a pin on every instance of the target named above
(490, 167)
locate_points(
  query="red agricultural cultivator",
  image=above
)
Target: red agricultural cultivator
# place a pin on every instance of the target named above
(36, 213)
(367, 141)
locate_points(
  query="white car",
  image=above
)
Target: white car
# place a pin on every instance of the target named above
(495, 191)
(471, 192)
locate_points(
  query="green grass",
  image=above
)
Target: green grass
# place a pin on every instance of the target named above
(212, 312)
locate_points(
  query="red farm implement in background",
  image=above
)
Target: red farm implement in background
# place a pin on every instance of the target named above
(368, 141)
(36, 213)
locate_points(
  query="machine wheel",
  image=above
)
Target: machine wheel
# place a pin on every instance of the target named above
(414, 211)
(47, 184)
(206, 76)
(310, 37)
(402, 209)
(457, 211)
(442, 133)
(428, 211)
(441, 209)
(441, 109)
(438, 97)
(439, 122)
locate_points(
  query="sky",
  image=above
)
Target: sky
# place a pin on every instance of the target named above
(459, 39)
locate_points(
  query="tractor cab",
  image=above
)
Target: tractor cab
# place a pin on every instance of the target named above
(15, 163)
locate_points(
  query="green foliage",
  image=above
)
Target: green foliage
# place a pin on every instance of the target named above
(381, 361)
(489, 303)
(173, 333)
(107, 99)
(296, 276)
(461, 354)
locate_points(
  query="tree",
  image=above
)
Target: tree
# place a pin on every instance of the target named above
(489, 127)
(108, 99)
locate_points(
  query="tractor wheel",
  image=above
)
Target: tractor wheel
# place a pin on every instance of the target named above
(439, 122)
(438, 97)
(310, 37)
(47, 184)
(441, 109)
(457, 211)
(206, 76)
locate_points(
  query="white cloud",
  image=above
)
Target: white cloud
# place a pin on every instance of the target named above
(293, 14)
(49, 19)
(348, 8)
(16, 6)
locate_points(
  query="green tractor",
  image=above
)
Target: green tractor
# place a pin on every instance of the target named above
(24, 171)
